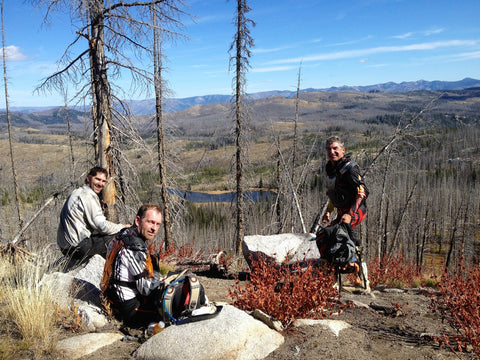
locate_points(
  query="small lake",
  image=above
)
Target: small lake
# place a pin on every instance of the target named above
(227, 196)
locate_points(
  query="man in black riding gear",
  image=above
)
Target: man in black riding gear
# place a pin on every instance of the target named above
(134, 287)
(346, 189)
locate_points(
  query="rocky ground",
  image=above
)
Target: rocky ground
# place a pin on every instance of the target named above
(384, 325)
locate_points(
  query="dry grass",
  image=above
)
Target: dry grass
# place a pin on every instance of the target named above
(37, 159)
(28, 311)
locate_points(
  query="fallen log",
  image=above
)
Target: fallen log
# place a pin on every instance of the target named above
(214, 262)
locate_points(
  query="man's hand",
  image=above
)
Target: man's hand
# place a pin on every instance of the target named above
(326, 217)
(346, 218)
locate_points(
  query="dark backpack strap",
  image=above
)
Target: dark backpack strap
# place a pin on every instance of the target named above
(347, 167)
(145, 273)
(129, 284)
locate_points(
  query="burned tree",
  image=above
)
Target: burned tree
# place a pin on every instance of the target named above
(158, 38)
(111, 29)
(10, 136)
(239, 61)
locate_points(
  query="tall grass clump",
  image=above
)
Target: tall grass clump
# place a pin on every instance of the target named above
(26, 304)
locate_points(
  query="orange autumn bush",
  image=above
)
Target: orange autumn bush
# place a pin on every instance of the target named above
(394, 271)
(287, 292)
(458, 302)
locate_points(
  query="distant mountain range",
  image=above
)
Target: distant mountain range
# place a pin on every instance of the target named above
(145, 107)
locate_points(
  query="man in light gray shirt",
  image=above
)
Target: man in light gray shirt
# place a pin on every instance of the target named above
(84, 230)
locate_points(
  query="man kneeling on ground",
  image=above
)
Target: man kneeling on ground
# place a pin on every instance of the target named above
(132, 287)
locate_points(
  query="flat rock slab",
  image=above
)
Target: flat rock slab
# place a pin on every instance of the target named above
(233, 334)
(334, 325)
(78, 346)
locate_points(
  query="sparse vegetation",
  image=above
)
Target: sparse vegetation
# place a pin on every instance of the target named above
(458, 302)
(442, 160)
(28, 307)
(287, 292)
(394, 271)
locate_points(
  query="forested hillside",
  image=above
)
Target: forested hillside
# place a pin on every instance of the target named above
(419, 151)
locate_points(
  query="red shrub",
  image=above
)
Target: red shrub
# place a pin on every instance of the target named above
(286, 292)
(459, 303)
(392, 271)
(175, 252)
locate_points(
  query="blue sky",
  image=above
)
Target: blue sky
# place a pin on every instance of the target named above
(354, 42)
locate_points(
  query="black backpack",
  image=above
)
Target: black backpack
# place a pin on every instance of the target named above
(336, 244)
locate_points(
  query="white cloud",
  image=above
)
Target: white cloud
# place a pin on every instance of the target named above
(432, 32)
(423, 33)
(362, 61)
(13, 53)
(352, 41)
(265, 51)
(377, 50)
(272, 69)
(404, 36)
(465, 56)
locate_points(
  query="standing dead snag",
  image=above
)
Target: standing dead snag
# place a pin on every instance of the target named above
(113, 30)
(294, 145)
(10, 136)
(159, 94)
(241, 44)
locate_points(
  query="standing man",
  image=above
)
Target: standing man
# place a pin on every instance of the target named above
(133, 286)
(83, 230)
(346, 190)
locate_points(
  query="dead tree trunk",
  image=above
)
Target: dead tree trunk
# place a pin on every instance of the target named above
(278, 210)
(452, 240)
(383, 242)
(157, 65)
(241, 44)
(294, 146)
(103, 111)
(70, 138)
(382, 238)
(421, 247)
(403, 212)
(9, 124)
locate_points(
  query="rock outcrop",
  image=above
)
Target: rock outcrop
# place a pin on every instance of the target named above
(232, 334)
(279, 248)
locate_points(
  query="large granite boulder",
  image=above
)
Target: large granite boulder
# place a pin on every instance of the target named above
(232, 334)
(289, 248)
(81, 287)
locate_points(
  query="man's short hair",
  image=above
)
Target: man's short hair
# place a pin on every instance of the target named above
(145, 207)
(95, 170)
(333, 139)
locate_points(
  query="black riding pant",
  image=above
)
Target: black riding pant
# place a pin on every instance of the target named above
(88, 247)
(139, 312)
